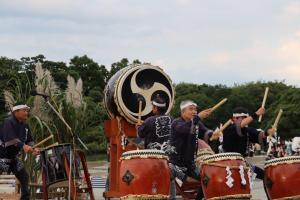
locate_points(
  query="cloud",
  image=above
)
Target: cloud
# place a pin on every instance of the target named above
(211, 42)
(292, 9)
(220, 58)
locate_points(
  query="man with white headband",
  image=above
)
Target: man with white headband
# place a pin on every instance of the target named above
(156, 130)
(238, 136)
(186, 130)
(15, 136)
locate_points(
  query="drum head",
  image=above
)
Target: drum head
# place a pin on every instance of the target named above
(223, 156)
(146, 153)
(283, 160)
(138, 82)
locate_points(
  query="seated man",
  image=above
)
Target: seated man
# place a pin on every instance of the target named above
(186, 130)
(156, 130)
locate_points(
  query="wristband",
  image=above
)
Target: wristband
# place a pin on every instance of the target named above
(254, 115)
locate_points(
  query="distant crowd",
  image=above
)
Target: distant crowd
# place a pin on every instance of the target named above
(277, 148)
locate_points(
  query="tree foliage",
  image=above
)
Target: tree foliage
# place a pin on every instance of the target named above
(18, 75)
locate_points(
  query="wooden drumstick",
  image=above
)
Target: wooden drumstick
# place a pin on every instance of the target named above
(43, 141)
(222, 128)
(52, 145)
(277, 119)
(140, 113)
(218, 105)
(225, 125)
(264, 102)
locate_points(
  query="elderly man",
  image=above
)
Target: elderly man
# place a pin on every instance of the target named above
(15, 136)
(186, 130)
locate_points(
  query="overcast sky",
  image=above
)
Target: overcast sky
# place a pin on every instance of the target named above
(212, 41)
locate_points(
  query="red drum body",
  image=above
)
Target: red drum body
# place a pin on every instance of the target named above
(282, 177)
(144, 174)
(225, 176)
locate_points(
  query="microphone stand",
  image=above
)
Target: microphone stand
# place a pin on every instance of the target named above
(46, 98)
(72, 154)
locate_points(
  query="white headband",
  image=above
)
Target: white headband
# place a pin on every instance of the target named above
(159, 104)
(187, 104)
(240, 115)
(18, 107)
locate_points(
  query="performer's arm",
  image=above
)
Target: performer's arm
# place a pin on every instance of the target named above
(142, 130)
(250, 118)
(204, 132)
(28, 146)
(259, 137)
(29, 140)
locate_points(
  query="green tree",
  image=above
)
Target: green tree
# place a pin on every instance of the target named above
(92, 74)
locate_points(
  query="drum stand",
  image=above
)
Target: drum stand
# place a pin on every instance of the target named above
(72, 186)
(68, 164)
(115, 129)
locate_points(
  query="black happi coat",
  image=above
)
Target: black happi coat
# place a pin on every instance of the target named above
(237, 139)
(156, 131)
(13, 135)
(184, 138)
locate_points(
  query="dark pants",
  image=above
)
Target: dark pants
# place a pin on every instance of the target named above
(23, 178)
(181, 173)
(260, 174)
(17, 168)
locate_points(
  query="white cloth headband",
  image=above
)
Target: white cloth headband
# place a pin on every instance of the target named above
(240, 115)
(159, 104)
(187, 105)
(18, 107)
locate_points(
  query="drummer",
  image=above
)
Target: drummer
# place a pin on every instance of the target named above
(238, 136)
(15, 136)
(156, 130)
(184, 138)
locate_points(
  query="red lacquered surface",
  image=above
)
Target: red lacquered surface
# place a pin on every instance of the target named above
(150, 176)
(282, 177)
(213, 178)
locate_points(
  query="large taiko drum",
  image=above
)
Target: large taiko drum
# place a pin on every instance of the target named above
(144, 174)
(282, 177)
(137, 82)
(225, 176)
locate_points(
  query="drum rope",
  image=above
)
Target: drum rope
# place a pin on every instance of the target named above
(236, 196)
(145, 197)
(225, 166)
(284, 160)
(289, 198)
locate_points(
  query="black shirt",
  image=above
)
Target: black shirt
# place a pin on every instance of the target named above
(13, 135)
(237, 139)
